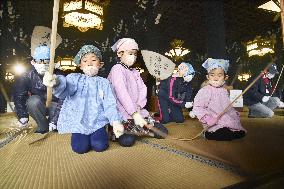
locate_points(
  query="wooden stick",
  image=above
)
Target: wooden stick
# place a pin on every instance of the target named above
(6, 96)
(282, 18)
(236, 75)
(277, 81)
(52, 48)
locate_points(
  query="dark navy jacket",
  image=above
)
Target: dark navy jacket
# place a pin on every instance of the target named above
(29, 84)
(255, 94)
(176, 90)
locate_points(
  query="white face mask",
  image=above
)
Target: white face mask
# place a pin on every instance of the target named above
(41, 68)
(90, 70)
(216, 83)
(128, 60)
(270, 76)
(188, 78)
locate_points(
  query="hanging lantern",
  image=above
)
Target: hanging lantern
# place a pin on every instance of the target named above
(178, 51)
(260, 46)
(67, 64)
(84, 14)
(244, 76)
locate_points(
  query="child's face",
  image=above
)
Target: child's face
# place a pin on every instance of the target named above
(128, 57)
(217, 77)
(182, 70)
(90, 59)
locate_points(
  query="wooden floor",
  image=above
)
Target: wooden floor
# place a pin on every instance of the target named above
(258, 159)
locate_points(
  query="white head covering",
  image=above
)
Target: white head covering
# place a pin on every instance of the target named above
(211, 64)
(125, 44)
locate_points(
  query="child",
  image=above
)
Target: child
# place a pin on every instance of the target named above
(130, 90)
(258, 99)
(30, 93)
(89, 103)
(175, 93)
(212, 99)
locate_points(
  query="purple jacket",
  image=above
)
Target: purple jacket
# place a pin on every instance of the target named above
(210, 102)
(129, 89)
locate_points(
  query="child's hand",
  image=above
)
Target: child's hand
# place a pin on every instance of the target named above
(138, 119)
(118, 128)
(49, 80)
(52, 126)
(188, 104)
(211, 121)
(265, 98)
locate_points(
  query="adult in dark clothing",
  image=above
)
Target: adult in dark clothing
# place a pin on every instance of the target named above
(175, 93)
(258, 98)
(30, 93)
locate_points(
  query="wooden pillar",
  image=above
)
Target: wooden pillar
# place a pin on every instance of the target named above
(215, 28)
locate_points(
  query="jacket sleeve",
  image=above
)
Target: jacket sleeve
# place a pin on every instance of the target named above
(109, 104)
(142, 99)
(188, 97)
(118, 82)
(254, 91)
(200, 105)
(21, 88)
(172, 91)
(67, 86)
(55, 116)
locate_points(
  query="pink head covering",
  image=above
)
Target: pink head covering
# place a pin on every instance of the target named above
(125, 44)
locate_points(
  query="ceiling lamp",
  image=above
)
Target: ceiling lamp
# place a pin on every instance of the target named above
(178, 51)
(260, 46)
(244, 77)
(272, 5)
(84, 14)
(67, 64)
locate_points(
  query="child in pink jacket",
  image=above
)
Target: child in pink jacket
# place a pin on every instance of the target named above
(212, 99)
(131, 92)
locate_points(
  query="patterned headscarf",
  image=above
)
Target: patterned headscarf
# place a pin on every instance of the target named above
(211, 64)
(85, 50)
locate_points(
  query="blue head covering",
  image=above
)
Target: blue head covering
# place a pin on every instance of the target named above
(42, 53)
(190, 69)
(211, 64)
(85, 50)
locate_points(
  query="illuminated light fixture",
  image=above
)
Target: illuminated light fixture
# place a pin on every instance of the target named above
(178, 51)
(140, 70)
(9, 76)
(19, 69)
(84, 14)
(67, 64)
(272, 5)
(244, 76)
(260, 46)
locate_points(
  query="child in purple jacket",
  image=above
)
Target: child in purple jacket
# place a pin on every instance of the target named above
(212, 99)
(130, 91)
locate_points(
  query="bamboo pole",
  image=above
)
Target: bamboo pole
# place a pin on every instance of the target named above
(277, 81)
(52, 47)
(6, 97)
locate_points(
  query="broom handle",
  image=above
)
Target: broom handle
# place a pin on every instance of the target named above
(277, 81)
(6, 97)
(236, 75)
(52, 48)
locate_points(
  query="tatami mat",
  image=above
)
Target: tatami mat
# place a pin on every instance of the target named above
(150, 163)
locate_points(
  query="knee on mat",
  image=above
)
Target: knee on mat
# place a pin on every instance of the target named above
(127, 140)
(162, 128)
(33, 102)
(99, 146)
(79, 148)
